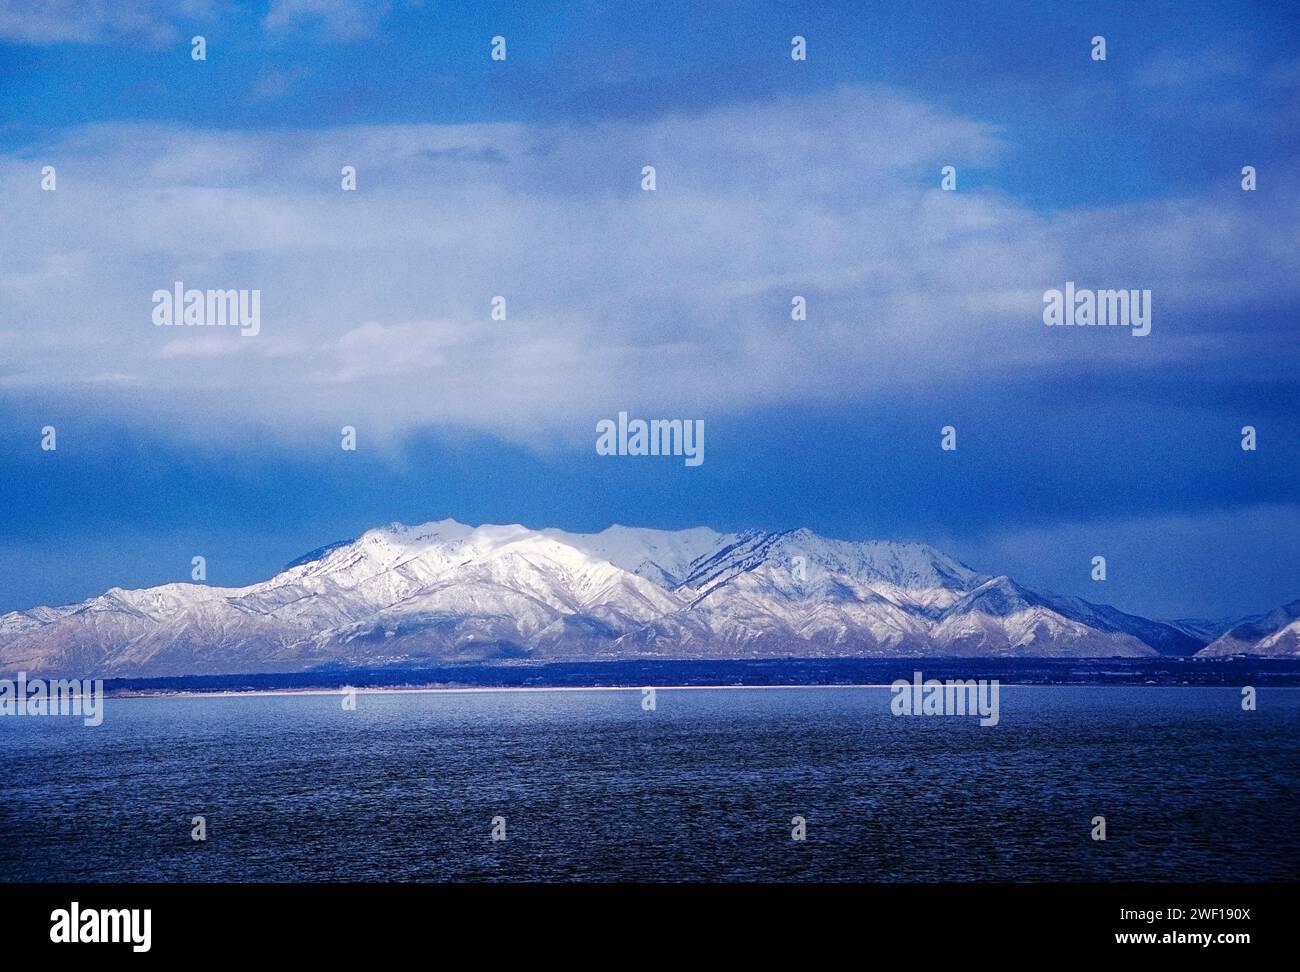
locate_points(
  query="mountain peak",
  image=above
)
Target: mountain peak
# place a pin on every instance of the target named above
(449, 592)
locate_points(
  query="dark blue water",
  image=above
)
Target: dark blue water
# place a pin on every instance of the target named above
(593, 787)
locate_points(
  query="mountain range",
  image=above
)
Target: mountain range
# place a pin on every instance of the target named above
(446, 593)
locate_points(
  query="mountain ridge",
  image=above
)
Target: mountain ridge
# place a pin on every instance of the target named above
(448, 592)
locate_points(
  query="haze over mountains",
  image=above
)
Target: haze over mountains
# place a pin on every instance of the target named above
(446, 592)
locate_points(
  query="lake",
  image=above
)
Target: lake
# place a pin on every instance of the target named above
(593, 787)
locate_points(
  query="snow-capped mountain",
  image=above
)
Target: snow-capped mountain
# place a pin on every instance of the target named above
(1276, 633)
(1204, 629)
(447, 592)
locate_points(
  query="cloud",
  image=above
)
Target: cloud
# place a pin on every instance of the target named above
(376, 303)
(151, 22)
(1168, 69)
(340, 20)
(155, 23)
(274, 84)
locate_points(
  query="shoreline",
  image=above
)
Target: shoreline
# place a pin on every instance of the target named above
(681, 675)
(497, 689)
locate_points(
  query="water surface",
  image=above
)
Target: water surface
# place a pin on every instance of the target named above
(703, 788)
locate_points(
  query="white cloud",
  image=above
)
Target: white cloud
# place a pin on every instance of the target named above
(154, 23)
(1168, 69)
(375, 303)
(336, 19)
(151, 22)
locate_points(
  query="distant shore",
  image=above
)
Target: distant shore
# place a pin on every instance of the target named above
(720, 674)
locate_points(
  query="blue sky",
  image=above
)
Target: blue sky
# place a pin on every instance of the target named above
(520, 178)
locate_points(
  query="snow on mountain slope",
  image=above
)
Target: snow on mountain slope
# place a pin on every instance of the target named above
(837, 612)
(1165, 638)
(1276, 633)
(1002, 618)
(1204, 630)
(449, 592)
(530, 588)
(664, 557)
(914, 571)
(1284, 641)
